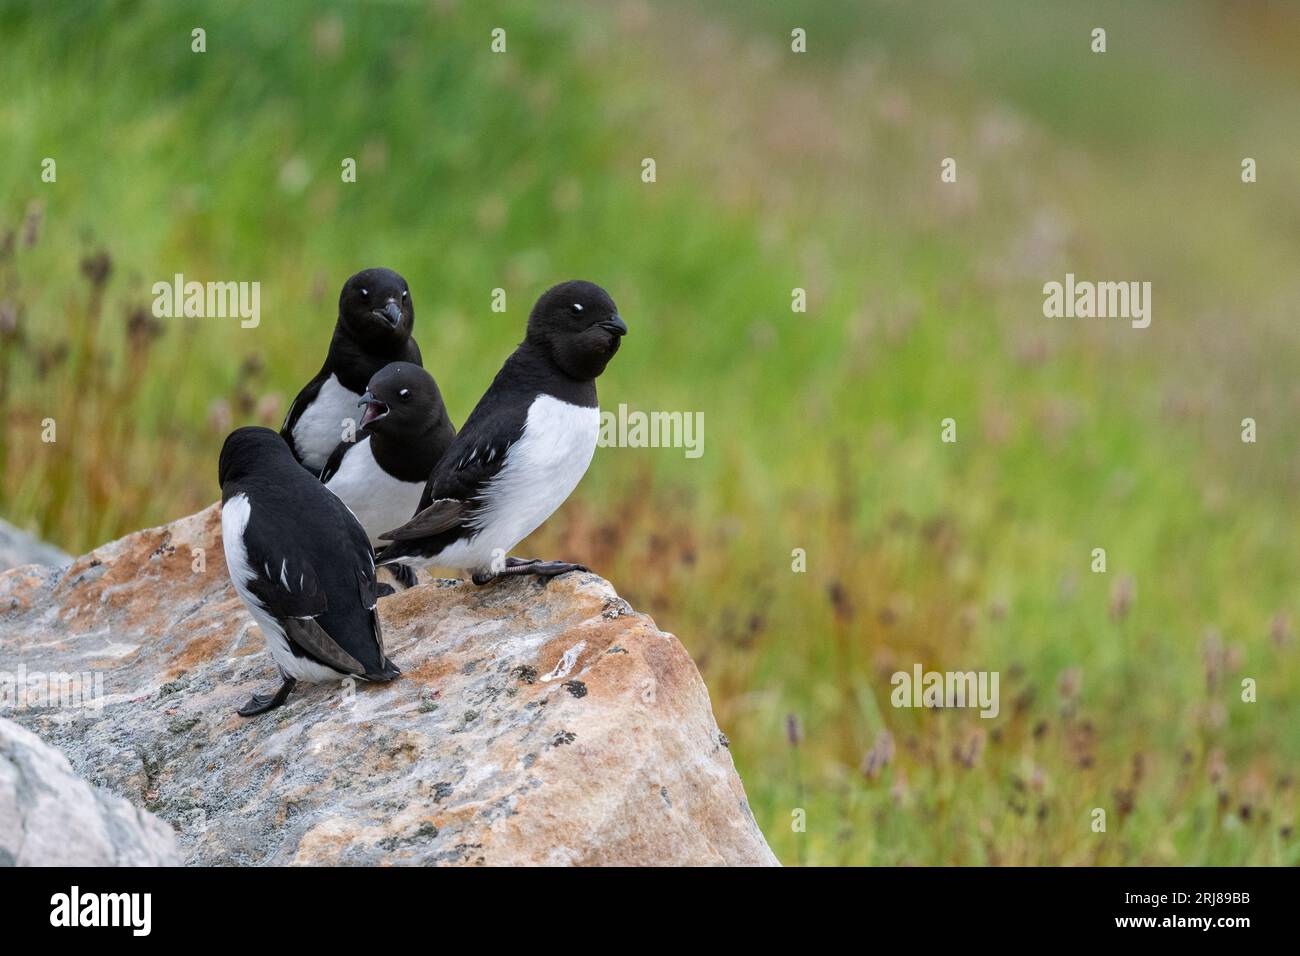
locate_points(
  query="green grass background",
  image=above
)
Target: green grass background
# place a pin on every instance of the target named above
(775, 170)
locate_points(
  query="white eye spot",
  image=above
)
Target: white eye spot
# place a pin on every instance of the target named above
(403, 293)
(404, 392)
(577, 307)
(365, 293)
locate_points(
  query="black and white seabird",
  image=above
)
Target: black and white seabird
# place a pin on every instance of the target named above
(303, 566)
(374, 325)
(523, 449)
(404, 433)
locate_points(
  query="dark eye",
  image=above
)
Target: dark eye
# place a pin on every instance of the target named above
(577, 307)
(365, 293)
(404, 392)
(403, 293)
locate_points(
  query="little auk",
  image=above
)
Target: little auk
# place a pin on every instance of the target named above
(403, 434)
(523, 449)
(374, 324)
(303, 566)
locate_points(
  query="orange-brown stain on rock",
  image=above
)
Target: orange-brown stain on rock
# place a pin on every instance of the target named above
(416, 605)
(197, 651)
(319, 847)
(665, 657)
(430, 672)
(153, 556)
(600, 640)
(116, 590)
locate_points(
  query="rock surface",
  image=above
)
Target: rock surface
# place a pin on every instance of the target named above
(533, 724)
(17, 548)
(51, 817)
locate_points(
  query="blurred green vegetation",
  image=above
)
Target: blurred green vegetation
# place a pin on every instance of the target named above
(775, 171)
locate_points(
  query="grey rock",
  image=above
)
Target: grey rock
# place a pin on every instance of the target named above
(51, 817)
(17, 548)
(533, 724)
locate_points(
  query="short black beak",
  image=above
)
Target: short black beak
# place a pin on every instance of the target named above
(375, 409)
(393, 313)
(615, 324)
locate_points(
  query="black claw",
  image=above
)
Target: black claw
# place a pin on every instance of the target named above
(257, 704)
(552, 569)
(261, 703)
(520, 566)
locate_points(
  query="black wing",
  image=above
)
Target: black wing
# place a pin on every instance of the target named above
(475, 456)
(438, 516)
(286, 585)
(335, 461)
(473, 459)
(342, 633)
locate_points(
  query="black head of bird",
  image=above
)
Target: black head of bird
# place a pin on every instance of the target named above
(401, 398)
(248, 449)
(375, 307)
(577, 324)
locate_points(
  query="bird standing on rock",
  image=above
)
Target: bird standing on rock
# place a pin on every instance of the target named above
(374, 325)
(403, 435)
(523, 449)
(303, 566)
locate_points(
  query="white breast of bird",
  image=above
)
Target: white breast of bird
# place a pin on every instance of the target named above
(379, 501)
(320, 427)
(542, 469)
